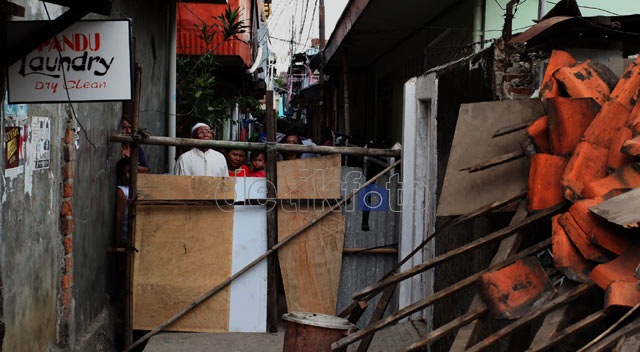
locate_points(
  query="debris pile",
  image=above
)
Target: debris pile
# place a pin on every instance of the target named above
(587, 153)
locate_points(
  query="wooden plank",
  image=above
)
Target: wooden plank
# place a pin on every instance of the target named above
(509, 329)
(310, 178)
(489, 207)
(402, 313)
(570, 330)
(440, 332)
(170, 187)
(553, 322)
(377, 315)
(463, 192)
(511, 128)
(183, 251)
(469, 333)
(610, 340)
(273, 269)
(310, 264)
(493, 162)
(131, 230)
(602, 336)
(500, 234)
(622, 209)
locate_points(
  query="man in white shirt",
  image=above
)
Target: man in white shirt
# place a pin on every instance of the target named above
(202, 161)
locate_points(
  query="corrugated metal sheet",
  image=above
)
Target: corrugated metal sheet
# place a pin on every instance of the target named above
(191, 16)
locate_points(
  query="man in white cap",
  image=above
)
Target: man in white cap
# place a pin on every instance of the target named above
(202, 161)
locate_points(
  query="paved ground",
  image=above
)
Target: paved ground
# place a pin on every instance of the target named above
(395, 338)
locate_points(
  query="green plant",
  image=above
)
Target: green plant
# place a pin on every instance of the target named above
(197, 100)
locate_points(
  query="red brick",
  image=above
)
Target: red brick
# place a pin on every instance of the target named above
(68, 136)
(68, 244)
(67, 190)
(68, 225)
(68, 171)
(68, 263)
(66, 299)
(67, 209)
(522, 91)
(67, 281)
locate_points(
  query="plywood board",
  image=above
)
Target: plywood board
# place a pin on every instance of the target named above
(172, 187)
(622, 209)
(309, 178)
(462, 191)
(311, 263)
(184, 251)
(248, 299)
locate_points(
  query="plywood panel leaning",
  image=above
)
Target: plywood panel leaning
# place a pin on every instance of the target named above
(310, 178)
(169, 187)
(311, 263)
(183, 252)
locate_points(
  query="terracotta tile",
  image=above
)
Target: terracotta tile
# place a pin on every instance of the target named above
(619, 269)
(566, 256)
(550, 87)
(569, 118)
(588, 163)
(539, 133)
(512, 291)
(610, 237)
(621, 294)
(545, 189)
(584, 81)
(588, 250)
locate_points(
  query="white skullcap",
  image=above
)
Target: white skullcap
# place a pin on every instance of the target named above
(198, 125)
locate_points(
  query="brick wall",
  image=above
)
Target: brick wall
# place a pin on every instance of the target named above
(66, 229)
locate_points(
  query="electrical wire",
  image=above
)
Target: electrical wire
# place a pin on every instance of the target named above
(590, 8)
(64, 77)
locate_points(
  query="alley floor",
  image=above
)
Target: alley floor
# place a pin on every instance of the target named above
(395, 338)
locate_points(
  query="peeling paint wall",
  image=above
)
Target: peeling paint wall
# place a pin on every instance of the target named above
(31, 247)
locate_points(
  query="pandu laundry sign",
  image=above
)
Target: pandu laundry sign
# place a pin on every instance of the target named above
(90, 60)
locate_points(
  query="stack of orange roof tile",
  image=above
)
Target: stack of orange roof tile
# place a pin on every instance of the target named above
(588, 144)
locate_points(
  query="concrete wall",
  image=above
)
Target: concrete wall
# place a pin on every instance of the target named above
(31, 250)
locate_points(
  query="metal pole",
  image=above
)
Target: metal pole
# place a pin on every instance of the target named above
(272, 218)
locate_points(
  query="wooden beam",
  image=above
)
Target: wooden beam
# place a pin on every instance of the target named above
(489, 208)
(570, 330)
(553, 322)
(611, 328)
(499, 160)
(500, 234)
(468, 334)
(480, 211)
(533, 314)
(357, 313)
(371, 251)
(377, 315)
(511, 128)
(133, 193)
(610, 340)
(434, 298)
(272, 219)
(440, 332)
(281, 147)
(265, 255)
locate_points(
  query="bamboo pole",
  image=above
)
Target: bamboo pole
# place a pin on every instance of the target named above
(610, 329)
(272, 219)
(266, 254)
(280, 147)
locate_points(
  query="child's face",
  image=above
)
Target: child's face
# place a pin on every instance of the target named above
(258, 162)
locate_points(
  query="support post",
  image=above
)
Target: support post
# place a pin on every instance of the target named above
(272, 218)
(133, 189)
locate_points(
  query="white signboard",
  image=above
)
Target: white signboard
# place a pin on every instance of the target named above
(91, 60)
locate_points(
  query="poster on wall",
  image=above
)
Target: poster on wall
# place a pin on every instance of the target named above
(89, 61)
(15, 134)
(19, 110)
(41, 141)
